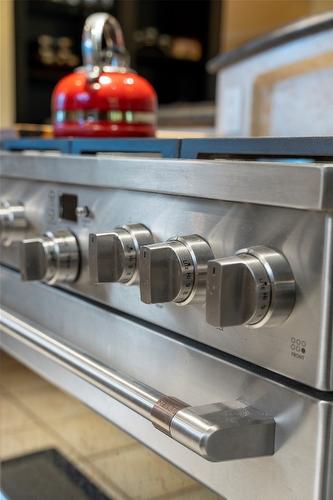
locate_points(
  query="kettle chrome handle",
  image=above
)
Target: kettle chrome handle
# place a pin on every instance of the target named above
(217, 432)
(95, 57)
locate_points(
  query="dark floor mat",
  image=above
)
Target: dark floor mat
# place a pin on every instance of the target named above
(45, 475)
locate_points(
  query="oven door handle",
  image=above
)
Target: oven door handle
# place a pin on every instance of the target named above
(217, 432)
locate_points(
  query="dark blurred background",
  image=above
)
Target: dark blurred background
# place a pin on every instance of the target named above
(169, 42)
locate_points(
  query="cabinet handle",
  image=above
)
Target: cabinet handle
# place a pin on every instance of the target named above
(217, 432)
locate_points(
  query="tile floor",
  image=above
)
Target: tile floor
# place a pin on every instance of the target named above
(35, 415)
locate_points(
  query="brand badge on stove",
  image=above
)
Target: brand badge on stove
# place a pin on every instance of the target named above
(297, 348)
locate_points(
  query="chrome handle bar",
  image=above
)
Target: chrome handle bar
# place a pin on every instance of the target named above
(217, 432)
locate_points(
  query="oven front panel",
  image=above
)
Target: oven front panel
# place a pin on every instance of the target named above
(300, 348)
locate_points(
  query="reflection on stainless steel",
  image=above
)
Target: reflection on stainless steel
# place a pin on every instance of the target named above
(306, 186)
(98, 27)
(224, 431)
(13, 221)
(174, 271)
(255, 288)
(53, 257)
(113, 257)
(216, 432)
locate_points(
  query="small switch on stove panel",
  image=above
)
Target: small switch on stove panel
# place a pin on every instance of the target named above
(83, 212)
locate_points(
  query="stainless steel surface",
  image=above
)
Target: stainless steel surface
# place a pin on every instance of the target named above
(113, 257)
(217, 432)
(224, 431)
(174, 271)
(304, 237)
(256, 287)
(307, 186)
(100, 27)
(53, 257)
(301, 467)
(13, 222)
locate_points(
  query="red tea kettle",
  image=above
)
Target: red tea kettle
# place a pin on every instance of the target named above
(104, 98)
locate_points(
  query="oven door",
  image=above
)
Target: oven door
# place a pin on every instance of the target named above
(214, 417)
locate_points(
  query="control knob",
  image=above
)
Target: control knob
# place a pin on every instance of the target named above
(175, 271)
(113, 257)
(12, 222)
(254, 288)
(53, 257)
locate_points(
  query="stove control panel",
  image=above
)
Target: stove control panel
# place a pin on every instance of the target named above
(174, 271)
(176, 239)
(113, 257)
(13, 221)
(254, 288)
(53, 257)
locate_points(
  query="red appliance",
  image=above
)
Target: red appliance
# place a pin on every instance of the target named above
(104, 98)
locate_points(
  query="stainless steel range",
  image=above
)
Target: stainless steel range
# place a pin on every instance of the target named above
(194, 295)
